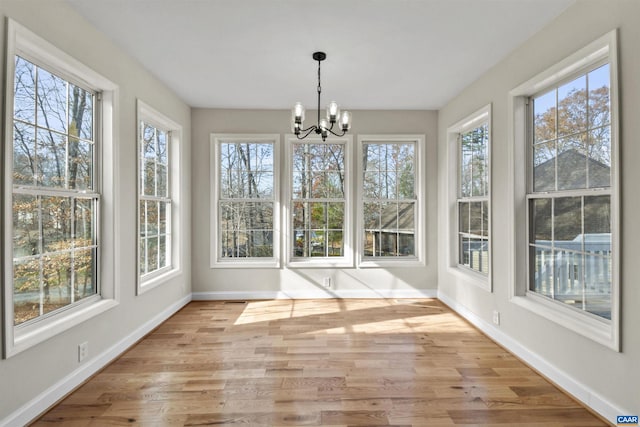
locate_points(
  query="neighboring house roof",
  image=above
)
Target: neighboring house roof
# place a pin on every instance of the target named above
(572, 167)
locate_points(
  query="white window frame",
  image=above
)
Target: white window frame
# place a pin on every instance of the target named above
(153, 117)
(418, 260)
(23, 42)
(472, 121)
(597, 329)
(216, 260)
(321, 262)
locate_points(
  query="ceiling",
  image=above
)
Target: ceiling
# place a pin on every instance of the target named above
(381, 54)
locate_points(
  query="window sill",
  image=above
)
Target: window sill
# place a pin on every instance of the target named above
(246, 263)
(320, 263)
(470, 276)
(395, 262)
(600, 331)
(156, 279)
(48, 328)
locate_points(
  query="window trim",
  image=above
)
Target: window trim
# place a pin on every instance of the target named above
(345, 261)
(21, 41)
(146, 113)
(473, 120)
(215, 245)
(599, 330)
(420, 220)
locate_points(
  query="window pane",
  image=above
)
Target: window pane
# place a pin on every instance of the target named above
(406, 244)
(149, 178)
(599, 97)
(542, 271)
(388, 217)
(57, 281)
(161, 181)
(485, 219)
(568, 277)
(84, 274)
(152, 218)
(572, 162)
(372, 185)
(51, 158)
(163, 147)
(56, 223)
(26, 230)
(24, 101)
(162, 217)
(463, 217)
(597, 225)
(52, 102)
(544, 117)
(152, 253)
(406, 216)
(572, 107)
(598, 285)
(143, 218)
(466, 167)
(80, 164)
(567, 222)
(142, 254)
(26, 290)
(544, 166)
(80, 113)
(599, 149)
(247, 229)
(475, 218)
(541, 221)
(24, 154)
(83, 222)
(162, 252)
(336, 243)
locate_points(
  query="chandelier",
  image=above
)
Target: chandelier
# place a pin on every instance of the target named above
(324, 126)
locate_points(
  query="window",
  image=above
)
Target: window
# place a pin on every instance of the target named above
(158, 184)
(245, 195)
(469, 152)
(318, 202)
(389, 199)
(58, 133)
(570, 189)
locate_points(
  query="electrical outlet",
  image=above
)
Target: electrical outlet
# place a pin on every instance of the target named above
(496, 317)
(326, 282)
(83, 351)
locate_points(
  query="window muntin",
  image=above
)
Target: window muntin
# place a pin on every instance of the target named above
(246, 202)
(473, 198)
(570, 215)
(318, 199)
(54, 197)
(155, 203)
(389, 200)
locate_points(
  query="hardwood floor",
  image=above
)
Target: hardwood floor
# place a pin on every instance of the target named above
(318, 362)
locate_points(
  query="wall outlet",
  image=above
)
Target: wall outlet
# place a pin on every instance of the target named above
(326, 282)
(83, 351)
(496, 317)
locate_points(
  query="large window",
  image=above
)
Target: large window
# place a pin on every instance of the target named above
(56, 135)
(245, 169)
(469, 149)
(158, 185)
(571, 189)
(389, 202)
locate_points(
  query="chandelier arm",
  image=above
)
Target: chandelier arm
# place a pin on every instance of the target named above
(308, 130)
(337, 134)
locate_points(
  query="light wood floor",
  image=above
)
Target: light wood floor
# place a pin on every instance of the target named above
(318, 362)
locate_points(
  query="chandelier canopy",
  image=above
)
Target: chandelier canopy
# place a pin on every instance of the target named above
(324, 126)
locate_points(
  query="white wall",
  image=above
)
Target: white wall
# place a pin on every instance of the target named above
(25, 376)
(306, 281)
(612, 377)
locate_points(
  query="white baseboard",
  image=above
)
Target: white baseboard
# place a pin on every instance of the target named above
(569, 384)
(27, 412)
(316, 294)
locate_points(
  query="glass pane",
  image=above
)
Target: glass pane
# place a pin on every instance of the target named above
(387, 184)
(57, 281)
(371, 216)
(599, 97)
(541, 221)
(406, 182)
(371, 243)
(544, 166)
(80, 164)
(26, 234)
(406, 243)
(83, 222)
(336, 243)
(406, 216)
(52, 101)
(152, 253)
(599, 149)
(261, 244)
(597, 225)
(149, 178)
(51, 158)
(572, 107)
(152, 218)
(371, 160)
(372, 185)
(388, 217)
(26, 290)
(572, 162)
(143, 218)
(318, 242)
(463, 217)
(300, 215)
(56, 223)
(542, 271)
(259, 216)
(162, 217)
(388, 243)
(598, 285)
(300, 237)
(300, 185)
(474, 253)
(544, 117)
(84, 274)
(334, 185)
(149, 143)
(162, 252)
(475, 218)
(567, 227)
(485, 219)
(142, 255)
(24, 101)
(80, 113)
(24, 154)
(466, 166)
(335, 215)
(568, 277)
(317, 215)
(163, 147)
(162, 189)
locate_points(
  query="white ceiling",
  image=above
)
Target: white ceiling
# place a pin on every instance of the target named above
(381, 54)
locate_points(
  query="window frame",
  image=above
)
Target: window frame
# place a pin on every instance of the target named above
(23, 42)
(147, 114)
(477, 118)
(347, 259)
(605, 332)
(216, 261)
(417, 260)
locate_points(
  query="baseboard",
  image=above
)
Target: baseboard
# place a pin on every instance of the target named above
(579, 391)
(316, 294)
(46, 399)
